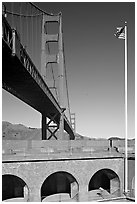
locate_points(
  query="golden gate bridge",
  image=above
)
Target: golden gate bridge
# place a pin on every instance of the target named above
(33, 63)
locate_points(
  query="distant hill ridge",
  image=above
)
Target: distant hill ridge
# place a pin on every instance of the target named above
(21, 132)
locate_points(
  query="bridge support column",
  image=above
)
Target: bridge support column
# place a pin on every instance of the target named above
(34, 195)
(49, 127)
(83, 193)
(44, 127)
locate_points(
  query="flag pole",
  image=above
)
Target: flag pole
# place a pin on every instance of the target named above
(126, 130)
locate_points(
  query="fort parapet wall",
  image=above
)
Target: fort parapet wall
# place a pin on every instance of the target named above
(55, 145)
(34, 161)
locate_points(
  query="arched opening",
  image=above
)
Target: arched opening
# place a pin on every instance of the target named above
(105, 183)
(59, 186)
(14, 187)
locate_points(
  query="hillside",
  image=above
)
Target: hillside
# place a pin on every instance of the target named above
(20, 132)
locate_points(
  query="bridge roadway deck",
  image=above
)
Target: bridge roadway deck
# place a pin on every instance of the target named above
(29, 86)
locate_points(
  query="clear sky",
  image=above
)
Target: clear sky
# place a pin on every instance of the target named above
(95, 69)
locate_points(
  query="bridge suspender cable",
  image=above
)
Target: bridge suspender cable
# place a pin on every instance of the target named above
(32, 30)
(27, 38)
(20, 20)
(12, 20)
(36, 31)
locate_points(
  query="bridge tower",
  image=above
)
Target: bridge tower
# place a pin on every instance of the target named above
(50, 58)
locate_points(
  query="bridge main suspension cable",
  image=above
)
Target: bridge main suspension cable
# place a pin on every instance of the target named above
(49, 14)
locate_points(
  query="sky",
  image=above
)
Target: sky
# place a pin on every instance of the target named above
(95, 69)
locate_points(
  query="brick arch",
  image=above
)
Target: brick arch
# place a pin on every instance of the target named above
(99, 169)
(22, 171)
(19, 175)
(107, 179)
(64, 182)
(13, 187)
(49, 172)
(113, 168)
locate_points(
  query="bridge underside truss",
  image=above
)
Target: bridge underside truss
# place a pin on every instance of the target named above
(49, 127)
